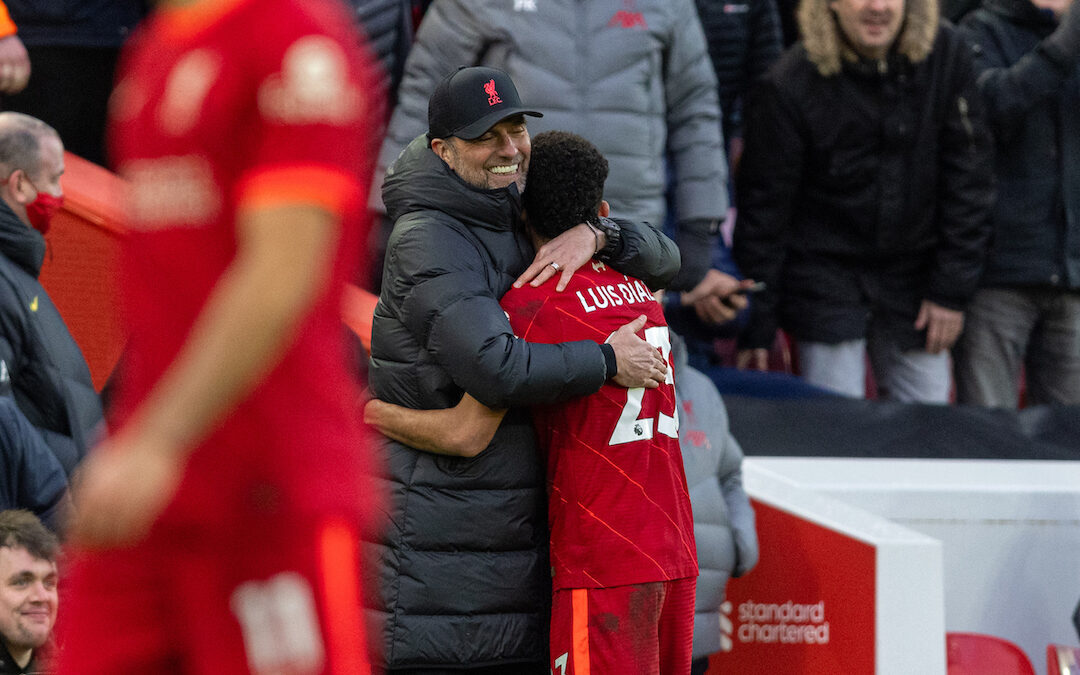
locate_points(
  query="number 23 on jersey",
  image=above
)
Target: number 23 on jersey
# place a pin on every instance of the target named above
(630, 426)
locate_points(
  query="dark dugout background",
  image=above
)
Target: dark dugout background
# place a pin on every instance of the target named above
(835, 427)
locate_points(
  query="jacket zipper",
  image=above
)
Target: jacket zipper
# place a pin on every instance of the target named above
(962, 105)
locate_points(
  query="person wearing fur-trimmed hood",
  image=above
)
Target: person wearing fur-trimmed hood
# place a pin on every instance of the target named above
(865, 187)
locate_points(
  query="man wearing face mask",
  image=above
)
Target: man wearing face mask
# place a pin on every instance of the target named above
(41, 366)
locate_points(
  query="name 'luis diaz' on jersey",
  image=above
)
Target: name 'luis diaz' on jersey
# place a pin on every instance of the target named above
(614, 295)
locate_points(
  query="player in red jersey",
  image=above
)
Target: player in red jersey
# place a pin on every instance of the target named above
(622, 542)
(217, 527)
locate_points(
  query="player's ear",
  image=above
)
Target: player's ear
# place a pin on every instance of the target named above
(530, 232)
(605, 208)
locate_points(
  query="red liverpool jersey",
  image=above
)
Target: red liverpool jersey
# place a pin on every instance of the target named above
(618, 507)
(203, 126)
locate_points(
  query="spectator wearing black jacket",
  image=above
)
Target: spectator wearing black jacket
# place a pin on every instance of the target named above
(73, 47)
(1026, 313)
(31, 477)
(49, 376)
(744, 39)
(388, 27)
(864, 193)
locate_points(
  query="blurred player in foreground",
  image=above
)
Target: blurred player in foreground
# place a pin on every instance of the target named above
(217, 527)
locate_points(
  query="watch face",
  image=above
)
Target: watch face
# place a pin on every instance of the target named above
(608, 224)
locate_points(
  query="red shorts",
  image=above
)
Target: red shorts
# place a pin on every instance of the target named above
(644, 629)
(277, 599)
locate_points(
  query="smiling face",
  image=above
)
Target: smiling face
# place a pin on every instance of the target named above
(871, 26)
(494, 160)
(28, 599)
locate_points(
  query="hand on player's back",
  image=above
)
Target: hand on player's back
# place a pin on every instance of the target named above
(639, 363)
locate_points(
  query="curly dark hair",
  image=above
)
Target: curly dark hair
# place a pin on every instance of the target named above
(565, 183)
(20, 528)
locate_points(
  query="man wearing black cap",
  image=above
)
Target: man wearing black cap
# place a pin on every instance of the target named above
(482, 138)
(462, 573)
(632, 77)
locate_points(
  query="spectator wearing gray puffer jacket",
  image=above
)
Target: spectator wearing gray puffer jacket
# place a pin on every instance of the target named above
(727, 544)
(635, 79)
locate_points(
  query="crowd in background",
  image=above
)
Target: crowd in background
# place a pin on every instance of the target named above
(887, 191)
(884, 250)
(672, 161)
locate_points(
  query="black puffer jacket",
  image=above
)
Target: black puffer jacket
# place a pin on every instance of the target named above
(863, 193)
(49, 376)
(461, 571)
(1032, 96)
(387, 25)
(744, 40)
(75, 23)
(31, 477)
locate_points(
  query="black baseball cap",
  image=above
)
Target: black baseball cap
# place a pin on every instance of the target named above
(471, 100)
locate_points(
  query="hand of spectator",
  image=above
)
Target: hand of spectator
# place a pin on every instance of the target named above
(639, 364)
(565, 253)
(714, 298)
(120, 490)
(752, 359)
(735, 155)
(14, 65)
(943, 325)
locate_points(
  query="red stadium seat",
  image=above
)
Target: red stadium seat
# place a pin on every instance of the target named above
(979, 654)
(357, 308)
(80, 267)
(1062, 660)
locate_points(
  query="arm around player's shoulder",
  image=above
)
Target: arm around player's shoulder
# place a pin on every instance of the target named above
(440, 285)
(646, 253)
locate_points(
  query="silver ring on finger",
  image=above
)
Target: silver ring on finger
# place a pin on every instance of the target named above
(556, 266)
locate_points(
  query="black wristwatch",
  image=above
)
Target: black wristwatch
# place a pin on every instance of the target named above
(613, 233)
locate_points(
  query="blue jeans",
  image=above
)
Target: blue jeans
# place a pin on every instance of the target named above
(1010, 328)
